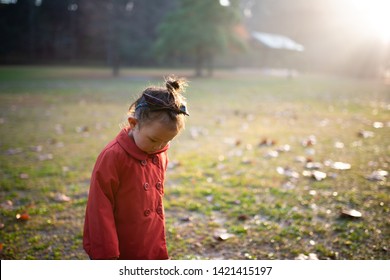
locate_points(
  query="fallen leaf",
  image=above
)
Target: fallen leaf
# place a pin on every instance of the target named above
(23, 217)
(232, 141)
(267, 142)
(287, 172)
(7, 205)
(246, 160)
(289, 185)
(340, 165)
(222, 235)
(284, 148)
(186, 219)
(225, 236)
(378, 125)
(249, 147)
(37, 149)
(59, 197)
(350, 213)
(311, 256)
(300, 159)
(356, 144)
(15, 151)
(318, 175)
(366, 134)
(272, 154)
(310, 152)
(23, 176)
(309, 159)
(243, 217)
(81, 129)
(313, 165)
(378, 175)
(309, 141)
(43, 157)
(1, 247)
(339, 145)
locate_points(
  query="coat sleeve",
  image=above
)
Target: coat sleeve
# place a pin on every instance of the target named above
(100, 238)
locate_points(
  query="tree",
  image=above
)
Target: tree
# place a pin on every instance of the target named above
(122, 31)
(198, 30)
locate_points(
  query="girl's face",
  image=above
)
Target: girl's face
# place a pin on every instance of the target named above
(152, 136)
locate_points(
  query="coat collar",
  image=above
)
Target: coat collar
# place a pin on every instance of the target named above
(128, 144)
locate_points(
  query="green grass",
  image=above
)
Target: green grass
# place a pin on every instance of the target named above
(54, 121)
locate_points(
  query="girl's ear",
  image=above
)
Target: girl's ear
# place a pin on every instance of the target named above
(132, 122)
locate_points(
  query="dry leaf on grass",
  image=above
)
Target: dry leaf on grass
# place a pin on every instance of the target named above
(60, 197)
(23, 217)
(222, 235)
(288, 172)
(350, 213)
(317, 175)
(7, 205)
(378, 175)
(340, 165)
(365, 134)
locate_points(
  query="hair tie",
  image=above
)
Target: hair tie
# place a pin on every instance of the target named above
(158, 104)
(183, 110)
(141, 104)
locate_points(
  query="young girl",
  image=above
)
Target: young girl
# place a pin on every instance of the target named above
(125, 215)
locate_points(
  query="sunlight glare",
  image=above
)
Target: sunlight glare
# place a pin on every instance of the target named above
(224, 3)
(375, 13)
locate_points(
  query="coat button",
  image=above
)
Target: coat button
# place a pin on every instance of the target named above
(158, 185)
(147, 212)
(159, 210)
(155, 159)
(144, 162)
(146, 186)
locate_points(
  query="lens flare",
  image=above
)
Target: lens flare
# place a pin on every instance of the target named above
(375, 14)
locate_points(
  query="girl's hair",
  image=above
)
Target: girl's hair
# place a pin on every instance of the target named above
(162, 104)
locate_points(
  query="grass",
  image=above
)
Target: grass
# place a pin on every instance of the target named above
(54, 121)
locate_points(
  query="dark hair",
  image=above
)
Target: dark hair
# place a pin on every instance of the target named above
(162, 104)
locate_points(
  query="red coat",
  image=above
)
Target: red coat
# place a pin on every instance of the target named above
(125, 215)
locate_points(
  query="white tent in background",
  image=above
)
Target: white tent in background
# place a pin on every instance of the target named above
(275, 41)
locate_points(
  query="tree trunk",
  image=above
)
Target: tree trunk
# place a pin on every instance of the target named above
(210, 64)
(113, 39)
(199, 57)
(115, 63)
(32, 31)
